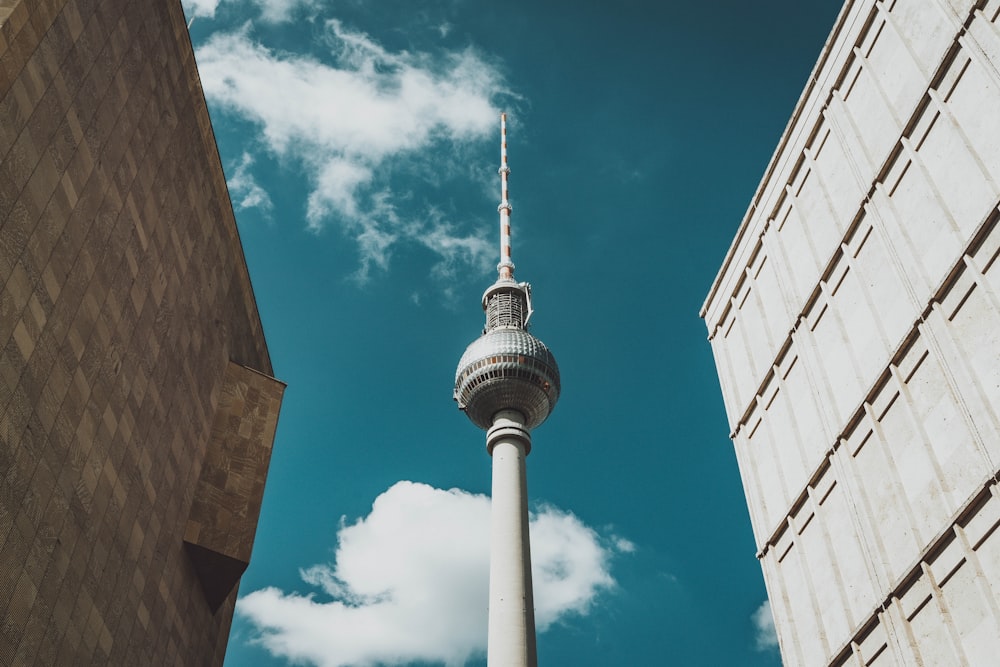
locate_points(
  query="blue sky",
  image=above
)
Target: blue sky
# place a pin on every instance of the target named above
(361, 142)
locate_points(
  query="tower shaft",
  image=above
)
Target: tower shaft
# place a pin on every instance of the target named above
(511, 639)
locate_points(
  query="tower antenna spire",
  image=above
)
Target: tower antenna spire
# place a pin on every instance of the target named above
(505, 268)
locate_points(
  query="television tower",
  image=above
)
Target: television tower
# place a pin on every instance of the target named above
(507, 383)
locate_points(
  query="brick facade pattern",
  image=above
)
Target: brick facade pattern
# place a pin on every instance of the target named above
(125, 304)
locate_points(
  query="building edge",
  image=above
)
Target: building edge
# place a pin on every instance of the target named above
(789, 146)
(220, 181)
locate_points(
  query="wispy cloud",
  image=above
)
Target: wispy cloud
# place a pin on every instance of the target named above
(765, 636)
(271, 11)
(410, 583)
(200, 8)
(623, 545)
(244, 189)
(356, 120)
(279, 11)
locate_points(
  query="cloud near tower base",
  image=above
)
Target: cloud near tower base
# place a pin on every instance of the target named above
(409, 582)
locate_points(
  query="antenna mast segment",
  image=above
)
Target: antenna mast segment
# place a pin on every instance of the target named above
(506, 267)
(506, 302)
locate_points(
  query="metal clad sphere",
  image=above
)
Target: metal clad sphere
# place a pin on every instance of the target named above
(507, 369)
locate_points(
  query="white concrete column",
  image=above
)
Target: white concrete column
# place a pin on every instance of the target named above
(511, 639)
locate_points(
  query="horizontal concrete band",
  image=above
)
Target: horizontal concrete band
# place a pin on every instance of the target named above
(505, 428)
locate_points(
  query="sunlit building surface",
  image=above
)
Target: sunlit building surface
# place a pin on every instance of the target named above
(856, 327)
(137, 407)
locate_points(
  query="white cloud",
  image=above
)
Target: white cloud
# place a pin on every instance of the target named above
(353, 123)
(271, 11)
(244, 189)
(195, 8)
(279, 11)
(453, 248)
(410, 583)
(624, 546)
(765, 636)
(569, 565)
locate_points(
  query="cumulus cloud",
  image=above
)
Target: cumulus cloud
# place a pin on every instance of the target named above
(409, 583)
(765, 636)
(352, 121)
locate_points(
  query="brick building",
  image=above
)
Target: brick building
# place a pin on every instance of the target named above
(137, 407)
(856, 327)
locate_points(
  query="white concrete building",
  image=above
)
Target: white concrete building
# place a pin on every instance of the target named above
(856, 327)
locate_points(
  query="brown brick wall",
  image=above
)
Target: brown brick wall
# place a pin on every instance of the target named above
(123, 298)
(223, 519)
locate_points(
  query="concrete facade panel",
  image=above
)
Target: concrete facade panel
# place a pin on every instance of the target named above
(882, 500)
(839, 180)
(892, 55)
(867, 125)
(774, 307)
(957, 176)
(984, 33)
(919, 217)
(977, 86)
(802, 263)
(813, 208)
(811, 643)
(773, 491)
(748, 466)
(817, 552)
(733, 343)
(827, 336)
(720, 347)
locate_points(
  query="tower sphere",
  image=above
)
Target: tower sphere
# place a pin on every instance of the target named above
(507, 369)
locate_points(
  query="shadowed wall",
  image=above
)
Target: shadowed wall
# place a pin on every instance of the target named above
(128, 331)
